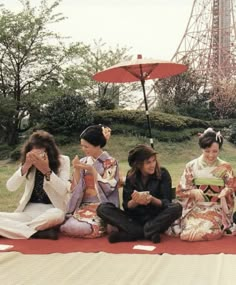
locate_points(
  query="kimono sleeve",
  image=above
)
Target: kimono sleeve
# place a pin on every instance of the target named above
(108, 181)
(186, 182)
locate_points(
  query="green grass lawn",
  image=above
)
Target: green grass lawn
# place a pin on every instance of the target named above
(173, 156)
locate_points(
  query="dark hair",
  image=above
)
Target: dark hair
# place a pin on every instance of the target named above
(42, 139)
(138, 155)
(209, 137)
(94, 135)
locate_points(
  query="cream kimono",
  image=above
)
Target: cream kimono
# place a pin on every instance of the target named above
(208, 219)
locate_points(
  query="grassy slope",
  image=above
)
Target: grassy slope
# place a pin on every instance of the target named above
(171, 155)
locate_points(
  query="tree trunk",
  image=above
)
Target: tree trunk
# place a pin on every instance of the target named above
(13, 135)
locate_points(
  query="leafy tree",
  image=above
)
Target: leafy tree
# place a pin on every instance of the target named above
(67, 114)
(90, 60)
(7, 118)
(30, 56)
(181, 94)
(224, 98)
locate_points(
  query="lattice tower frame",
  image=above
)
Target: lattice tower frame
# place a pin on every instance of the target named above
(209, 41)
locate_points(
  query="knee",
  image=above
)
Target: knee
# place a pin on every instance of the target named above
(176, 210)
(146, 227)
(104, 208)
(69, 226)
(74, 228)
(56, 214)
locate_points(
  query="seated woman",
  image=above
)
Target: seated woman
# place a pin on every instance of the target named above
(95, 180)
(147, 193)
(45, 173)
(206, 190)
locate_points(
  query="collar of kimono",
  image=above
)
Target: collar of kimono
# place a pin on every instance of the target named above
(205, 164)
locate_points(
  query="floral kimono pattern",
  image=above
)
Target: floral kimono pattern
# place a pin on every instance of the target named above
(90, 192)
(209, 219)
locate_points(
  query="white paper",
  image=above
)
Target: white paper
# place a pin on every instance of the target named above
(5, 246)
(144, 247)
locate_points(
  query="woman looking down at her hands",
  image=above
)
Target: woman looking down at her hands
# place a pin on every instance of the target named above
(95, 180)
(206, 190)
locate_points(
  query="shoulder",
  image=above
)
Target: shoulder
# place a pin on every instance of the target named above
(105, 155)
(107, 159)
(193, 162)
(221, 161)
(164, 170)
(165, 173)
(223, 164)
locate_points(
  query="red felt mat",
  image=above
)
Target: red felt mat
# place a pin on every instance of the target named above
(170, 245)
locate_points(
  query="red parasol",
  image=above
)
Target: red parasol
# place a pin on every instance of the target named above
(140, 70)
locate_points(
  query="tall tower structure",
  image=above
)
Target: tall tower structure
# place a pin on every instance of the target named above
(209, 42)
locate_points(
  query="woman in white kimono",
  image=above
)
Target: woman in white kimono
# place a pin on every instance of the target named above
(95, 180)
(206, 189)
(45, 173)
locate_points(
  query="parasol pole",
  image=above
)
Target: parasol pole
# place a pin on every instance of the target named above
(145, 102)
(147, 112)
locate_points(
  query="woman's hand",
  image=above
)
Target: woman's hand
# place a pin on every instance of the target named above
(77, 164)
(28, 163)
(40, 160)
(141, 198)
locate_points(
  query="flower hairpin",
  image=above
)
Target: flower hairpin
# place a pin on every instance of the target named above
(208, 130)
(218, 137)
(106, 132)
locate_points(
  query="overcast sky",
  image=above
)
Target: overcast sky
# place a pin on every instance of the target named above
(153, 28)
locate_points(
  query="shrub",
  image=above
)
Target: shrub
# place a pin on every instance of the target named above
(232, 133)
(4, 151)
(16, 153)
(67, 114)
(161, 121)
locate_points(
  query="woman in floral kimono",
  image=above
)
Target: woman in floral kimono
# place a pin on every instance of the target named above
(206, 189)
(95, 180)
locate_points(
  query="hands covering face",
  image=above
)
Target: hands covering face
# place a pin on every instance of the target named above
(38, 159)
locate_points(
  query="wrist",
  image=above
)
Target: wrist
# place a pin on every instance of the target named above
(150, 199)
(47, 175)
(24, 169)
(132, 204)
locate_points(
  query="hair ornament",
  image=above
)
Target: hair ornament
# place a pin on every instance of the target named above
(218, 137)
(208, 130)
(106, 132)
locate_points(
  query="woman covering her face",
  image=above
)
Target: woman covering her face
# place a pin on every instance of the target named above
(45, 173)
(95, 180)
(206, 190)
(147, 195)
